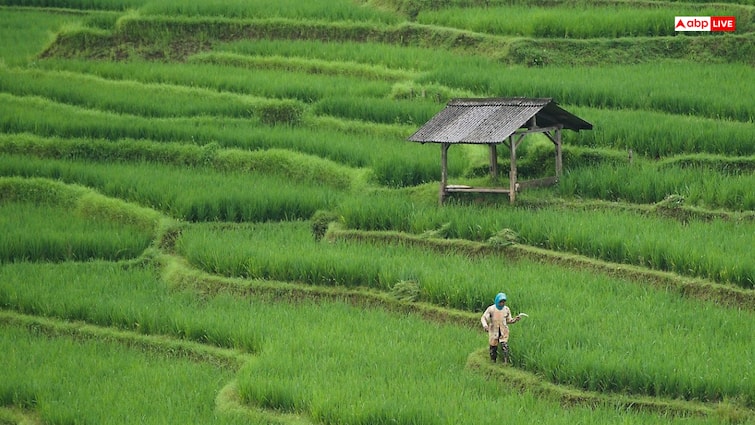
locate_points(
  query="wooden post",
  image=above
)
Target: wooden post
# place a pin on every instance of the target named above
(559, 148)
(559, 160)
(513, 185)
(443, 171)
(493, 162)
(512, 173)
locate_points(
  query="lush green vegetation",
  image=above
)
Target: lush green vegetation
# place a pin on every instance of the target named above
(588, 21)
(82, 239)
(190, 193)
(76, 373)
(289, 253)
(210, 214)
(611, 234)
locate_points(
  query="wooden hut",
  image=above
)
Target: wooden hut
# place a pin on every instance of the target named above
(495, 121)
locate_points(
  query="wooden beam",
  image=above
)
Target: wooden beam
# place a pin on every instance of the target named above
(493, 161)
(470, 189)
(537, 130)
(519, 139)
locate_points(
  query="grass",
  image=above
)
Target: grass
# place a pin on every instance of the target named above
(103, 382)
(673, 86)
(645, 183)
(159, 100)
(598, 323)
(608, 234)
(594, 20)
(257, 117)
(26, 32)
(316, 9)
(20, 117)
(44, 233)
(299, 377)
(185, 194)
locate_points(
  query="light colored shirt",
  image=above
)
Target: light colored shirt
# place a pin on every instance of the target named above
(497, 323)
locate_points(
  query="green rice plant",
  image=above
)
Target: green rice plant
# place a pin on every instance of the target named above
(281, 252)
(700, 249)
(26, 31)
(677, 87)
(270, 83)
(186, 193)
(311, 66)
(403, 5)
(292, 165)
(104, 382)
(662, 134)
(335, 10)
(728, 196)
(289, 252)
(40, 233)
(408, 59)
(395, 210)
(56, 121)
(126, 297)
(727, 164)
(77, 199)
(39, 192)
(646, 183)
(48, 233)
(582, 316)
(19, 117)
(593, 20)
(399, 170)
(322, 378)
(22, 115)
(547, 52)
(638, 362)
(711, 250)
(128, 97)
(46, 221)
(335, 362)
(92, 5)
(153, 34)
(389, 111)
(372, 368)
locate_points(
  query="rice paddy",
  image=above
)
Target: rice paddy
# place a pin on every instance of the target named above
(210, 214)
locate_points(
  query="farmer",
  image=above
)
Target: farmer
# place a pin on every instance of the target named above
(496, 320)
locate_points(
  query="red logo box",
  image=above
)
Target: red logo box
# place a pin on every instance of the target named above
(723, 23)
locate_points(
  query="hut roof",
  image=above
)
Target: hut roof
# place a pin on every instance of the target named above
(492, 120)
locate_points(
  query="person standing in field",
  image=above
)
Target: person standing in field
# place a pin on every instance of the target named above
(495, 320)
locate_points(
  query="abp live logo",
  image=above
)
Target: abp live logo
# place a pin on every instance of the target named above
(705, 23)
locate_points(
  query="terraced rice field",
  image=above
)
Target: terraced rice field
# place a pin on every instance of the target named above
(210, 213)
